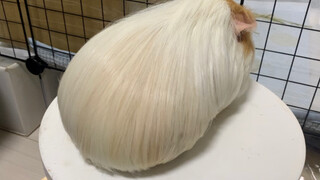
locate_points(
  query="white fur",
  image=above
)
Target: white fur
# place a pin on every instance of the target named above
(144, 90)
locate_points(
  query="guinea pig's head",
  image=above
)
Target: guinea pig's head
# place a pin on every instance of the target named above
(244, 23)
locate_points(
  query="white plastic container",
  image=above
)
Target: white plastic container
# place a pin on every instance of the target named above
(22, 103)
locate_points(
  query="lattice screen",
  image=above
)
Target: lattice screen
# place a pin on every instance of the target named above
(287, 41)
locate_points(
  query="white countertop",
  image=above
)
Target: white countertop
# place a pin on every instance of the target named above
(255, 138)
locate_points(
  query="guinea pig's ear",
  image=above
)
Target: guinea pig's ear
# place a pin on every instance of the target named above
(244, 21)
(242, 18)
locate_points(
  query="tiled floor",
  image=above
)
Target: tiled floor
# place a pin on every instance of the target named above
(20, 158)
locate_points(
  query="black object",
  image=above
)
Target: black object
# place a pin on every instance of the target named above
(35, 65)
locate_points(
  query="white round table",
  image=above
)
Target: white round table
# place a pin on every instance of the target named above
(255, 138)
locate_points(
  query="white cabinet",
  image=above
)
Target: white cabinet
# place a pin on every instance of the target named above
(22, 103)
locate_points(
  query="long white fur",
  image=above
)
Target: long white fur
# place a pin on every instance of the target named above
(144, 90)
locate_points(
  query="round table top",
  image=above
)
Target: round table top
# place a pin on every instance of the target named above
(256, 137)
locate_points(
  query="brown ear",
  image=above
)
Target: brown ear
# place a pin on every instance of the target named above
(243, 19)
(243, 22)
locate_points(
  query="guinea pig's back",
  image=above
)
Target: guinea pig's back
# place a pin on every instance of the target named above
(141, 92)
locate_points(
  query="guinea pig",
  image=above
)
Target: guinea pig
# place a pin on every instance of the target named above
(146, 89)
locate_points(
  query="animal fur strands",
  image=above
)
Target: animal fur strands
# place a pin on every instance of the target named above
(144, 90)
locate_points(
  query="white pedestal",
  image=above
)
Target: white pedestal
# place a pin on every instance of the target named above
(255, 138)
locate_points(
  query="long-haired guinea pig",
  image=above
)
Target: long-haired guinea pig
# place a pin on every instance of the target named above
(144, 90)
